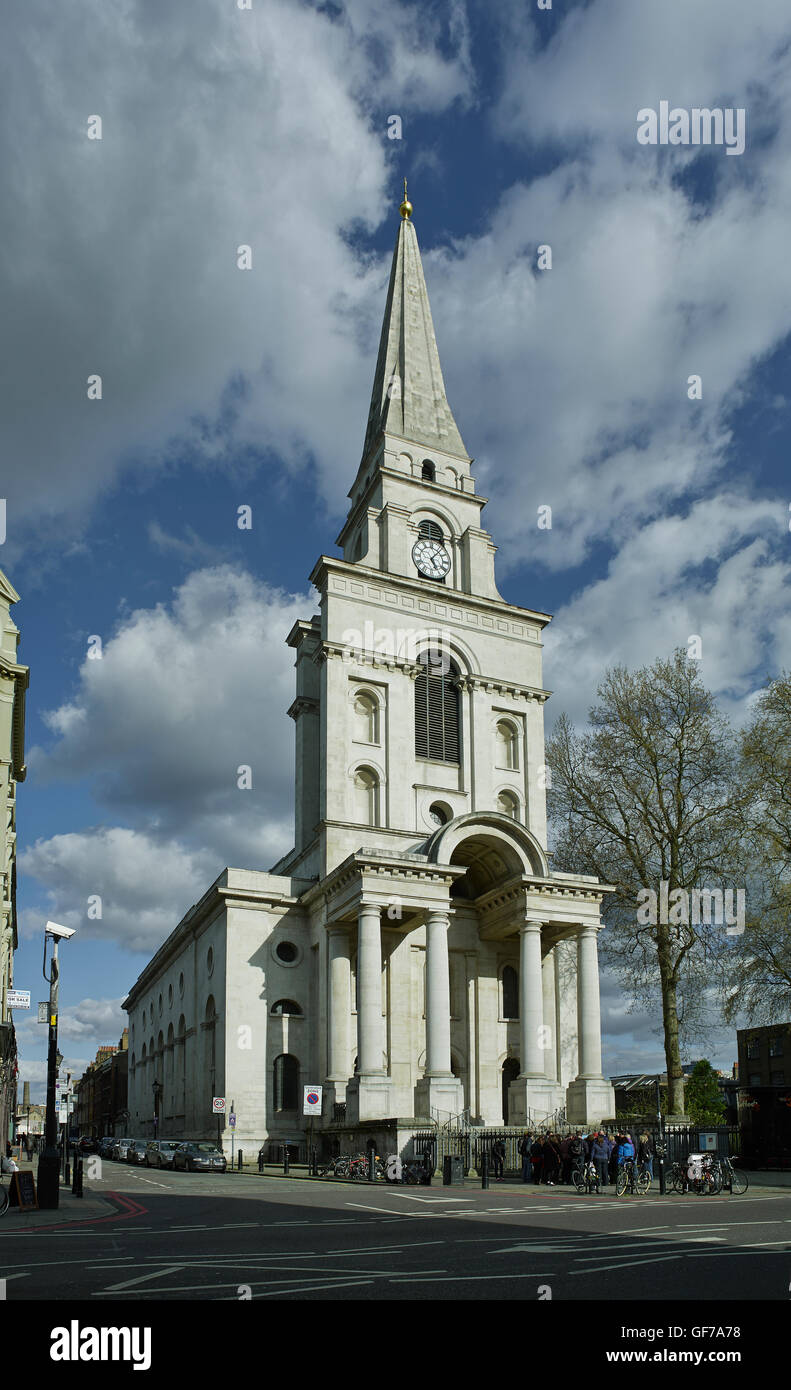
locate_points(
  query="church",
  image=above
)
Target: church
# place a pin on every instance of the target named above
(414, 955)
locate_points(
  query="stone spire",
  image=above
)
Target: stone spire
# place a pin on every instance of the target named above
(408, 397)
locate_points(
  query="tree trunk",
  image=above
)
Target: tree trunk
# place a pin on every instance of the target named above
(675, 1076)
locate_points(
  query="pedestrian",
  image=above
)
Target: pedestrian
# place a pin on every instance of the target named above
(576, 1151)
(261, 1156)
(27, 1147)
(536, 1160)
(612, 1161)
(566, 1163)
(645, 1153)
(600, 1157)
(498, 1159)
(551, 1160)
(525, 1147)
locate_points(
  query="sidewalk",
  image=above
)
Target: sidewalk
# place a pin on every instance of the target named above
(512, 1183)
(91, 1207)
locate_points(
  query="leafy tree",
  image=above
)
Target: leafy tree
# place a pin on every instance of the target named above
(649, 794)
(704, 1099)
(758, 983)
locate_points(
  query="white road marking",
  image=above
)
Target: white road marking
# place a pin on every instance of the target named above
(463, 1278)
(408, 1197)
(142, 1279)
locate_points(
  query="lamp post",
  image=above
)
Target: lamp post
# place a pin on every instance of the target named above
(49, 1160)
(157, 1089)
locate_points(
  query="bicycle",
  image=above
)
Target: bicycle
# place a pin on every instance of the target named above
(731, 1179)
(4, 1199)
(632, 1179)
(707, 1182)
(586, 1178)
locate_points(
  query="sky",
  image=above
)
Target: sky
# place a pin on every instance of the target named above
(270, 127)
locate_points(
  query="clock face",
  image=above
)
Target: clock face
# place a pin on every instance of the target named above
(431, 558)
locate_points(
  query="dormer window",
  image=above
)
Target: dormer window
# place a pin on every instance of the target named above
(429, 472)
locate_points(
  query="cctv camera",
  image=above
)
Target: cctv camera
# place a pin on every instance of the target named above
(55, 929)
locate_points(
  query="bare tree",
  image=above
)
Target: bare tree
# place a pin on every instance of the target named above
(646, 797)
(759, 981)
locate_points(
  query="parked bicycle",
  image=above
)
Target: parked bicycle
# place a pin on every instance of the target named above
(586, 1178)
(703, 1178)
(632, 1178)
(732, 1179)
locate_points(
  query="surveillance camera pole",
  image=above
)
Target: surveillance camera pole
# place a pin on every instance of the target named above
(49, 1163)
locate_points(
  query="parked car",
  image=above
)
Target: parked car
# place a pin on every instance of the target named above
(136, 1152)
(159, 1152)
(119, 1148)
(104, 1146)
(199, 1156)
(86, 1144)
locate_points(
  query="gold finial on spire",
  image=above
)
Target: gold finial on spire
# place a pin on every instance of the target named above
(406, 206)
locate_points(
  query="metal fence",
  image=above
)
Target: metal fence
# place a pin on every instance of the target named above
(679, 1140)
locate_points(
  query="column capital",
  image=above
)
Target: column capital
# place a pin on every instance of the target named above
(531, 924)
(440, 914)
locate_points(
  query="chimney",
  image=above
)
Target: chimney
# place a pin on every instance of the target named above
(25, 1094)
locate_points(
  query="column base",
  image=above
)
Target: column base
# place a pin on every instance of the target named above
(369, 1098)
(439, 1093)
(590, 1101)
(531, 1100)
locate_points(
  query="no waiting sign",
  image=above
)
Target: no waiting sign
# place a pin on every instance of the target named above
(218, 1105)
(311, 1100)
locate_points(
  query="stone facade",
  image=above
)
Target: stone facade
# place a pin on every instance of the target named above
(13, 684)
(413, 953)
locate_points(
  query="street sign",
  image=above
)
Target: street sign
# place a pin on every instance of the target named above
(43, 1012)
(232, 1121)
(218, 1105)
(311, 1100)
(18, 999)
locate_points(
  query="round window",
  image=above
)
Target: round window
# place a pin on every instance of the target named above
(287, 952)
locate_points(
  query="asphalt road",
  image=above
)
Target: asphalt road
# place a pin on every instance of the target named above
(233, 1236)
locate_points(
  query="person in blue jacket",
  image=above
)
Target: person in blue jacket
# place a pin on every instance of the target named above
(625, 1149)
(600, 1157)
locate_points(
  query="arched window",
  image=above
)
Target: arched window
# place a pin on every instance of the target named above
(508, 805)
(436, 710)
(286, 1006)
(510, 1073)
(286, 1082)
(510, 992)
(431, 530)
(366, 796)
(428, 471)
(507, 745)
(366, 718)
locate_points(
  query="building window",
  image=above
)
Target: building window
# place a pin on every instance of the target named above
(510, 992)
(366, 718)
(286, 952)
(429, 473)
(160, 1005)
(753, 1049)
(286, 1006)
(181, 985)
(439, 814)
(778, 1078)
(286, 1082)
(755, 1078)
(170, 994)
(436, 710)
(506, 745)
(776, 1047)
(366, 796)
(508, 805)
(209, 961)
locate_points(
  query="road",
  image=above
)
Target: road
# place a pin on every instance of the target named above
(237, 1236)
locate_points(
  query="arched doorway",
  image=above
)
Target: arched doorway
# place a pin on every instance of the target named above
(510, 1073)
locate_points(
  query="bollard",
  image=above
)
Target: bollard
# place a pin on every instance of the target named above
(428, 1168)
(371, 1165)
(74, 1178)
(78, 1169)
(285, 1160)
(314, 1161)
(485, 1168)
(661, 1162)
(239, 1160)
(67, 1174)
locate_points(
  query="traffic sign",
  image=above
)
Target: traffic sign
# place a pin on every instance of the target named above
(218, 1105)
(311, 1100)
(43, 1012)
(18, 998)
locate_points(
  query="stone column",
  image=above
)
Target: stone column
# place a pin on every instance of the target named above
(550, 1016)
(437, 995)
(531, 1000)
(588, 1005)
(369, 990)
(340, 1004)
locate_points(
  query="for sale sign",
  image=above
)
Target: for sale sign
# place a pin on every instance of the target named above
(18, 998)
(311, 1100)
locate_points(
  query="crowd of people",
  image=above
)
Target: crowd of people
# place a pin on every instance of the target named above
(550, 1159)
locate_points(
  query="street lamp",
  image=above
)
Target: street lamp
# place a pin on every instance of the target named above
(157, 1089)
(49, 1163)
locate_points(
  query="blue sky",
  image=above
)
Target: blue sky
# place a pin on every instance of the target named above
(269, 127)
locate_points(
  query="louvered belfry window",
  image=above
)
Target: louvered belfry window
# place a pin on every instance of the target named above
(436, 709)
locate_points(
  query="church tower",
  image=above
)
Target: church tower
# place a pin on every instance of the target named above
(413, 955)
